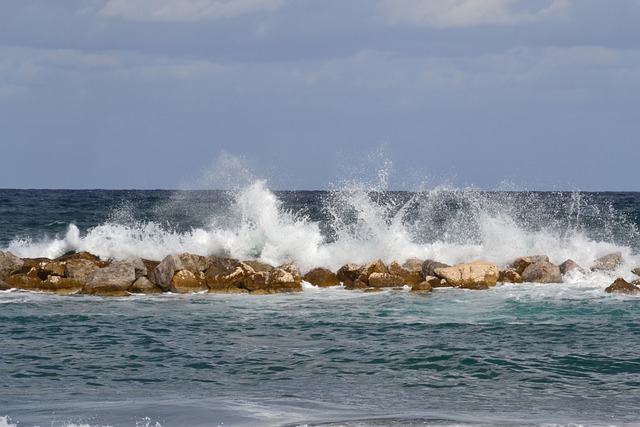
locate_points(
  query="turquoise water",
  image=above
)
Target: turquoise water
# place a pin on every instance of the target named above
(539, 355)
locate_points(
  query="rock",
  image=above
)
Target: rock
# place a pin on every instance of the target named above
(259, 281)
(259, 265)
(410, 277)
(473, 275)
(636, 271)
(24, 281)
(422, 287)
(285, 279)
(349, 273)
(139, 266)
(78, 255)
(294, 270)
(413, 264)
(113, 280)
(429, 267)
(321, 277)
(570, 266)
(4, 286)
(195, 263)
(376, 266)
(79, 269)
(542, 272)
(520, 264)
(509, 276)
(621, 286)
(608, 262)
(163, 273)
(9, 264)
(51, 268)
(385, 280)
(143, 285)
(370, 290)
(229, 279)
(353, 285)
(61, 285)
(185, 282)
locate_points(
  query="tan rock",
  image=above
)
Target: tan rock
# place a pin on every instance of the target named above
(259, 265)
(113, 280)
(24, 281)
(143, 285)
(349, 272)
(429, 267)
(422, 287)
(385, 280)
(79, 269)
(376, 266)
(621, 286)
(61, 285)
(353, 285)
(185, 282)
(9, 264)
(409, 277)
(520, 264)
(509, 276)
(285, 279)
(413, 264)
(570, 266)
(232, 277)
(162, 274)
(473, 275)
(608, 262)
(321, 277)
(195, 263)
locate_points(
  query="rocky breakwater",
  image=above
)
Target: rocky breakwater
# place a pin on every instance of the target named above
(85, 273)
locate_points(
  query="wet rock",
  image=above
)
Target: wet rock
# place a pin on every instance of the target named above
(410, 277)
(570, 266)
(422, 287)
(139, 266)
(285, 279)
(371, 290)
(321, 277)
(51, 268)
(163, 273)
(9, 264)
(186, 282)
(385, 280)
(621, 286)
(354, 285)
(636, 271)
(349, 273)
(4, 286)
(520, 264)
(376, 266)
(259, 265)
(195, 263)
(473, 275)
(113, 280)
(79, 269)
(61, 285)
(509, 276)
(413, 264)
(608, 262)
(78, 255)
(259, 281)
(542, 272)
(24, 281)
(231, 278)
(429, 267)
(143, 285)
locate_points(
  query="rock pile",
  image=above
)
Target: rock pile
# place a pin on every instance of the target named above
(85, 273)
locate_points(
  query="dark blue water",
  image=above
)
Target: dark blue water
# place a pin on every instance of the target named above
(539, 355)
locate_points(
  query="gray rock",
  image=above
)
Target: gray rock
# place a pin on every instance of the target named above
(636, 271)
(163, 273)
(9, 264)
(429, 267)
(114, 279)
(79, 269)
(542, 272)
(608, 262)
(143, 285)
(570, 266)
(520, 264)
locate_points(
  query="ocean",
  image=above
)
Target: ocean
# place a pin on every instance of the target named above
(517, 354)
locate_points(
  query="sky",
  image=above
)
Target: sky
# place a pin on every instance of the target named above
(312, 94)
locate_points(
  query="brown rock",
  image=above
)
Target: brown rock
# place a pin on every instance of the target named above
(608, 262)
(437, 282)
(422, 287)
(78, 255)
(79, 269)
(61, 285)
(52, 268)
(636, 271)
(23, 281)
(195, 263)
(4, 286)
(113, 280)
(9, 264)
(321, 277)
(371, 290)
(185, 282)
(413, 264)
(259, 281)
(429, 267)
(232, 277)
(349, 273)
(143, 285)
(473, 275)
(542, 272)
(385, 280)
(410, 277)
(509, 276)
(259, 265)
(285, 279)
(621, 286)
(353, 285)
(520, 264)
(570, 266)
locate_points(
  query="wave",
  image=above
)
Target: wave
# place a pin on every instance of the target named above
(356, 224)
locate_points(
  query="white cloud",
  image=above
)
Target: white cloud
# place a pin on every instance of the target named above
(467, 13)
(185, 10)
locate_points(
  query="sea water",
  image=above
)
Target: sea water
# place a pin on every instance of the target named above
(517, 354)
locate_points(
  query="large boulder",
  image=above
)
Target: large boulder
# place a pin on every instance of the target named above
(413, 264)
(509, 276)
(79, 269)
(570, 266)
(608, 262)
(385, 280)
(162, 274)
(143, 285)
(286, 278)
(321, 277)
(60, 285)
(621, 286)
(185, 282)
(376, 266)
(473, 275)
(259, 265)
(195, 263)
(520, 264)
(113, 280)
(429, 267)
(424, 286)
(9, 264)
(24, 281)
(542, 272)
(409, 277)
(229, 280)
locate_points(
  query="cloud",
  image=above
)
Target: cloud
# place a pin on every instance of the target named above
(185, 10)
(467, 13)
